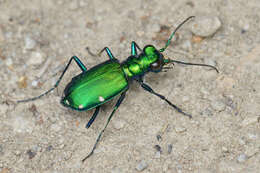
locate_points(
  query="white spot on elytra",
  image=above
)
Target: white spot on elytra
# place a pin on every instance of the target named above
(67, 102)
(80, 106)
(101, 99)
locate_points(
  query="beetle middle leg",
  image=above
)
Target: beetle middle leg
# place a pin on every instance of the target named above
(108, 51)
(92, 119)
(134, 45)
(150, 90)
(79, 63)
(118, 103)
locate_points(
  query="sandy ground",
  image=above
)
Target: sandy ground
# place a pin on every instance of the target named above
(37, 38)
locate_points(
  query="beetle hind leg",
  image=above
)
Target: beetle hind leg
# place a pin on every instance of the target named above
(119, 101)
(79, 63)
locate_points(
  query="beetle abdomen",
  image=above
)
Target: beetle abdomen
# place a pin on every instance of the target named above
(95, 86)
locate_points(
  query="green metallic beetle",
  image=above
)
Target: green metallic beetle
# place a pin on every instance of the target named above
(96, 86)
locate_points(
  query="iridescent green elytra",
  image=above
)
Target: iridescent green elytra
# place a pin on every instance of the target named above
(93, 87)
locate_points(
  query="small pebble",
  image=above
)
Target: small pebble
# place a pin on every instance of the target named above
(242, 141)
(244, 25)
(141, 166)
(21, 124)
(2, 38)
(154, 27)
(251, 151)
(22, 83)
(36, 148)
(158, 148)
(1, 149)
(185, 98)
(8, 35)
(5, 170)
(226, 82)
(3, 109)
(224, 149)
(179, 168)
(74, 5)
(205, 26)
(9, 62)
(17, 152)
(218, 105)
(186, 45)
(36, 58)
(31, 154)
(241, 158)
(249, 120)
(158, 137)
(49, 148)
(29, 43)
(140, 33)
(196, 39)
(252, 136)
(34, 83)
(55, 127)
(83, 3)
(157, 155)
(119, 124)
(61, 146)
(210, 62)
(60, 2)
(68, 155)
(169, 148)
(204, 91)
(180, 129)
(116, 170)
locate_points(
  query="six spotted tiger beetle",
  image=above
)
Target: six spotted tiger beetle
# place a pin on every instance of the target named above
(96, 86)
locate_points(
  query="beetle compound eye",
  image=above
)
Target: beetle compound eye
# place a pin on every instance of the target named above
(157, 65)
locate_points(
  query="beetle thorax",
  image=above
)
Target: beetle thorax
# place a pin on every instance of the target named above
(141, 64)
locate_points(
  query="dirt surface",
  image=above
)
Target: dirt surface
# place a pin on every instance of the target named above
(37, 38)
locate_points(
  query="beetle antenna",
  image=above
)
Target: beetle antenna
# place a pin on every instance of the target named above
(173, 33)
(186, 63)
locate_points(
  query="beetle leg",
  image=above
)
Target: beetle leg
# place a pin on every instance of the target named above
(119, 101)
(109, 53)
(92, 119)
(134, 45)
(81, 66)
(150, 90)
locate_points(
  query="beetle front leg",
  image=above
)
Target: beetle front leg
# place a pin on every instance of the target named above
(150, 90)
